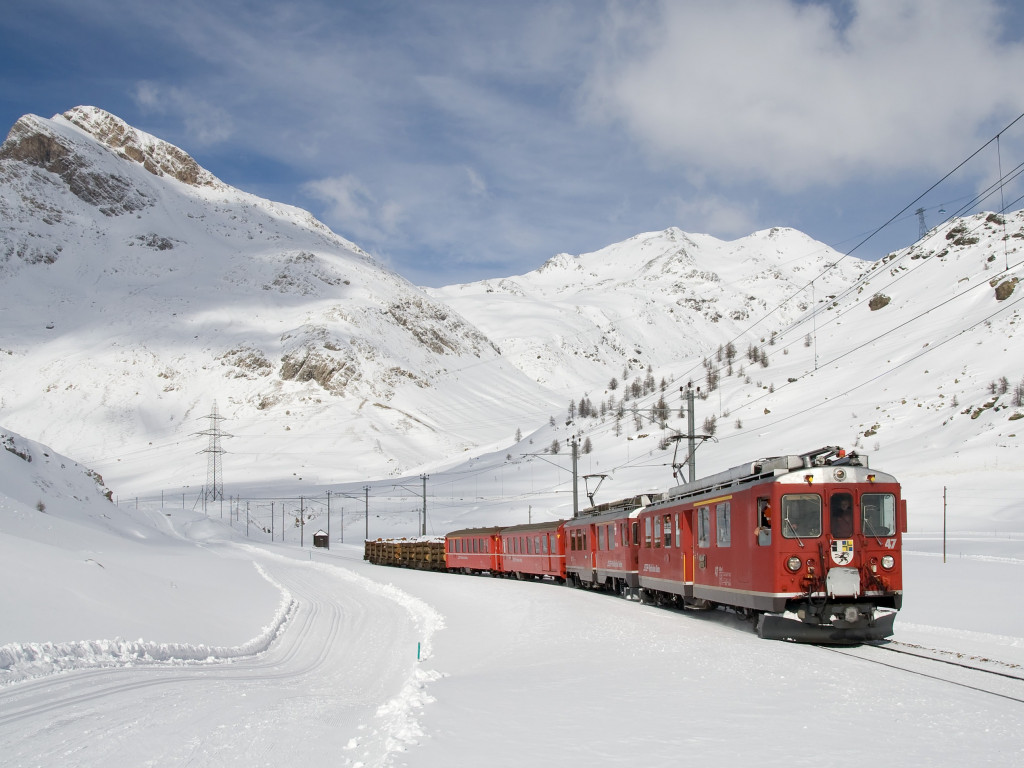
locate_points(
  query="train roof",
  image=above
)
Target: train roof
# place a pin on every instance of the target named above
(489, 531)
(547, 525)
(629, 507)
(762, 469)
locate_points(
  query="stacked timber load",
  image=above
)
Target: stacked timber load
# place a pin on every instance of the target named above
(425, 554)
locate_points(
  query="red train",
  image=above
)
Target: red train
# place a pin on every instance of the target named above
(807, 544)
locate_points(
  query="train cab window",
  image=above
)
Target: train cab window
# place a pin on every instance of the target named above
(723, 524)
(878, 514)
(764, 522)
(840, 515)
(667, 530)
(679, 531)
(703, 527)
(657, 530)
(801, 516)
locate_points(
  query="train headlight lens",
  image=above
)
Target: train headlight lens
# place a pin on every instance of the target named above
(793, 564)
(888, 561)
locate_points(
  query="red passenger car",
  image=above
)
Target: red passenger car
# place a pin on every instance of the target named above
(533, 550)
(811, 544)
(602, 546)
(473, 550)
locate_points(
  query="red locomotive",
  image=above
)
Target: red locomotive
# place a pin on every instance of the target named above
(808, 544)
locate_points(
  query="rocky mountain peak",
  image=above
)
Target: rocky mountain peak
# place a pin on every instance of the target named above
(155, 155)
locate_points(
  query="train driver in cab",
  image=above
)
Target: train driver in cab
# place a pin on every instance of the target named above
(842, 516)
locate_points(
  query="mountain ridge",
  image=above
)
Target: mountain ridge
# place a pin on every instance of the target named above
(126, 317)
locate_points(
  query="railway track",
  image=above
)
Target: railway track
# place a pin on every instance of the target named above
(979, 673)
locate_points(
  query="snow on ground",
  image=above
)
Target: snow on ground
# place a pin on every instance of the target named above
(323, 659)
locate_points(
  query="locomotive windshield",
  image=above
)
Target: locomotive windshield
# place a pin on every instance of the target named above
(801, 515)
(878, 514)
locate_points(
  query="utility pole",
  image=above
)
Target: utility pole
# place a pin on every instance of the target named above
(691, 429)
(328, 519)
(575, 480)
(366, 490)
(922, 228)
(943, 523)
(423, 531)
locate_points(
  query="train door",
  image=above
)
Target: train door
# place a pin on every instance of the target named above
(688, 545)
(702, 544)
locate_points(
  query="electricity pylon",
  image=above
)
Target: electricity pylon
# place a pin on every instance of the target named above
(214, 488)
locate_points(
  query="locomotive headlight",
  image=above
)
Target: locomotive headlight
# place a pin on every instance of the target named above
(888, 561)
(793, 564)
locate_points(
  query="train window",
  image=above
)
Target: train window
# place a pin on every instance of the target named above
(668, 530)
(878, 514)
(602, 538)
(544, 544)
(647, 532)
(723, 524)
(657, 530)
(801, 515)
(679, 531)
(703, 527)
(840, 515)
(764, 522)
(636, 534)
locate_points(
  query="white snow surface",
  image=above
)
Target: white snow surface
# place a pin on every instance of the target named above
(152, 632)
(162, 636)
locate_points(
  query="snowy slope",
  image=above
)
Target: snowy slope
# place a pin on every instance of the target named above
(163, 637)
(659, 299)
(184, 638)
(138, 290)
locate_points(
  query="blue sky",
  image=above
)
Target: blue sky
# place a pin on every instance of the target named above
(461, 140)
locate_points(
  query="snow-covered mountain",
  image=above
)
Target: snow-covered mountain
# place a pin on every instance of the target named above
(137, 290)
(660, 299)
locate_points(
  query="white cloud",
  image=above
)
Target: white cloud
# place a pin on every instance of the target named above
(353, 208)
(205, 124)
(715, 214)
(796, 96)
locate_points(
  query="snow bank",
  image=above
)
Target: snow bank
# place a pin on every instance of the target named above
(21, 661)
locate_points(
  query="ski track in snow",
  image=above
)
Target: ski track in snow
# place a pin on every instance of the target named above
(327, 677)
